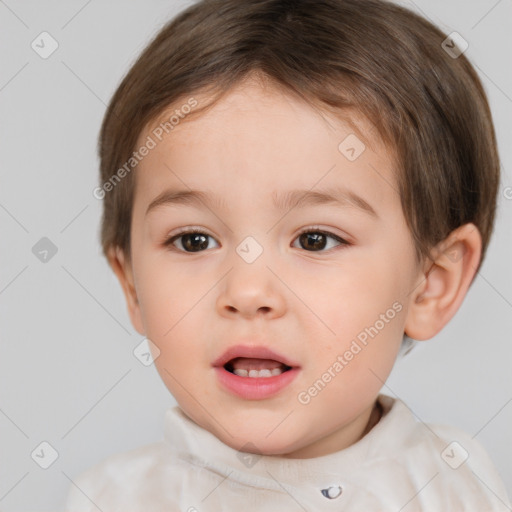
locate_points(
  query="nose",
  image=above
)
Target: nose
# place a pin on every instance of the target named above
(251, 290)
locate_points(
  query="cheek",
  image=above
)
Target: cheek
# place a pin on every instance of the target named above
(362, 308)
(165, 296)
(172, 307)
(352, 296)
(169, 308)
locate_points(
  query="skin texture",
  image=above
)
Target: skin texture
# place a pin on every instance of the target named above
(306, 304)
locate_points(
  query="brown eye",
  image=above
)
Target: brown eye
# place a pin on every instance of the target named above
(313, 241)
(190, 241)
(316, 241)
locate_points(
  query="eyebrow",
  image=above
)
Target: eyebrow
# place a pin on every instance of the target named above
(340, 197)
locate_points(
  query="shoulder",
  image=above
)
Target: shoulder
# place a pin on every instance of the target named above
(467, 471)
(447, 467)
(124, 479)
(460, 453)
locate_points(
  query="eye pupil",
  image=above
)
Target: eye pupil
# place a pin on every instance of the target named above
(193, 245)
(317, 240)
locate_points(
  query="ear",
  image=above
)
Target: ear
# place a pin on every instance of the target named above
(443, 286)
(123, 269)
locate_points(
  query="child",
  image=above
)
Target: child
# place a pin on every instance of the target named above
(292, 190)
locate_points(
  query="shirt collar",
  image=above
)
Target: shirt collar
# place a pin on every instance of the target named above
(198, 446)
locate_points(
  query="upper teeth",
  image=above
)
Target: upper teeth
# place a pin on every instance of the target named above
(257, 373)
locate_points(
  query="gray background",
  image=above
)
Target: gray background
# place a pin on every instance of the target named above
(68, 375)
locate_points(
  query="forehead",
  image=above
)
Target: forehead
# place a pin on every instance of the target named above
(253, 99)
(263, 136)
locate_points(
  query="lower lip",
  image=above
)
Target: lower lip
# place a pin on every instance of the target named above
(255, 388)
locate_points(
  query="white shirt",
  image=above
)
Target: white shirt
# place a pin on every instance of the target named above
(399, 465)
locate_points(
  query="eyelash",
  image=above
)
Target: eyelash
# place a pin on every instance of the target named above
(170, 242)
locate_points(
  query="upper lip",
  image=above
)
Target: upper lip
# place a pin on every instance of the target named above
(257, 352)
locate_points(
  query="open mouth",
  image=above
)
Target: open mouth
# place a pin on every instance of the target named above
(254, 372)
(255, 368)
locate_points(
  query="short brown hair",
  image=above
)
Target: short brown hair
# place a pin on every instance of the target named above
(369, 56)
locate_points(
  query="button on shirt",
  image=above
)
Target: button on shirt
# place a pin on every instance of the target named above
(401, 465)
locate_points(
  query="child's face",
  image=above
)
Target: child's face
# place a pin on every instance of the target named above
(306, 298)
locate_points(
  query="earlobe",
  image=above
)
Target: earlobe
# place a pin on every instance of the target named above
(123, 270)
(444, 284)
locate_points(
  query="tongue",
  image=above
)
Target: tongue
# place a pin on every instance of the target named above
(245, 363)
